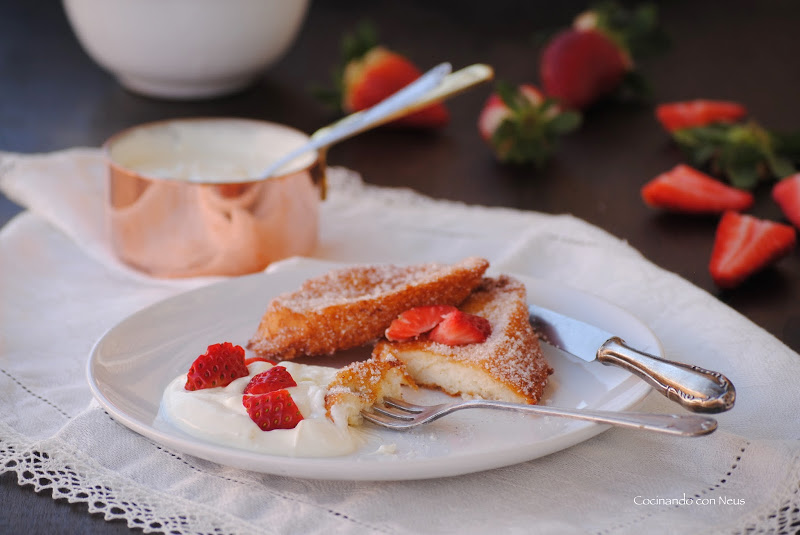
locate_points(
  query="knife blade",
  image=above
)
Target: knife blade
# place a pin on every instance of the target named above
(693, 387)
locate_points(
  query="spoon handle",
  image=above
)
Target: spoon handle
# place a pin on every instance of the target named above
(435, 85)
(449, 85)
(358, 122)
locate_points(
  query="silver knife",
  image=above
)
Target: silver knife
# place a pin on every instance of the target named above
(693, 387)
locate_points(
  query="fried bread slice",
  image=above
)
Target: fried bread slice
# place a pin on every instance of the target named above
(352, 306)
(508, 366)
(362, 384)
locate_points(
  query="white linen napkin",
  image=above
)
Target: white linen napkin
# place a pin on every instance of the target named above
(61, 288)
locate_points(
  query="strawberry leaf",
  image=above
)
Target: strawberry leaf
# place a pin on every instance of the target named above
(564, 123)
(356, 44)
(781, 166)
(636, 30)
(741, 175)
(744, 153)
(509, 95)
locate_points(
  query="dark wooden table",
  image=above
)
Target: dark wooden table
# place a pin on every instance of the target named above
(52, 97)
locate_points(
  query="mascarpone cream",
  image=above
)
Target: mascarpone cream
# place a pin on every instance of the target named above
(217, 415)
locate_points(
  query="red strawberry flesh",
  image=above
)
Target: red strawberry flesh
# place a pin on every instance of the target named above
(220, 365)
(273, 410)
(693, 113)
(685, 189)
(416, 321)
(276, 378)
(786, 193)
(380, 74)
(578, 67)
(459, 328)
(745, 245)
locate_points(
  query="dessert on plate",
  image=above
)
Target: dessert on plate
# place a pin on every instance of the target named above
(444, 327)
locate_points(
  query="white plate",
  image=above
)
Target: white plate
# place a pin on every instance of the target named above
(133, 362)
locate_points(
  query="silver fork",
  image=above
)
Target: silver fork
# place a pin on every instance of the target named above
(398, 414)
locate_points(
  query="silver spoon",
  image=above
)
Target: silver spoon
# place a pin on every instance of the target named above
(433, 86)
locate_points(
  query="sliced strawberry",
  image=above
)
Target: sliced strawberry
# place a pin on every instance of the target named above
(692, 113)
(744, 245)
(521, 125)
(218, 366)
(248, 362)
(379, 74)
(579, 67)
(276, 378)
(685, 189)
(787, 194)
(274, 410)
(416, 321)
(459, 328)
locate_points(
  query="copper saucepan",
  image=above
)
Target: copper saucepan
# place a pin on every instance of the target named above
(171, 215)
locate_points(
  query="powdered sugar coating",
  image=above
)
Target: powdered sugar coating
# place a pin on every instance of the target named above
(352, 306)
(511, 356)
(357, 283)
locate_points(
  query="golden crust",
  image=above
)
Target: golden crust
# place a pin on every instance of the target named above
(362, 384)
(508, 366)
(350, 307)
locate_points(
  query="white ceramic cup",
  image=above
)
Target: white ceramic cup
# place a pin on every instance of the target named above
(186, 49)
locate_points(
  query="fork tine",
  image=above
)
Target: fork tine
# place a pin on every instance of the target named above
(387, 421)
(388, 411)
(403, 405)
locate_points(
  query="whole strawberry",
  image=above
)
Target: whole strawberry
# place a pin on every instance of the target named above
(595, 57)
(273, 410)
(521, 125)
(581, 66)
(218, 366)
(370, 73)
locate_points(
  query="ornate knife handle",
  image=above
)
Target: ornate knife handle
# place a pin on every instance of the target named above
(695, 388)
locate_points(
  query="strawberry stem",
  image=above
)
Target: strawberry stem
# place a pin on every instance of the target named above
(744, 153)
(636, 31)
(355, 45)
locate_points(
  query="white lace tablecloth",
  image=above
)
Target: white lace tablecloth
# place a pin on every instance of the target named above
(60, 289)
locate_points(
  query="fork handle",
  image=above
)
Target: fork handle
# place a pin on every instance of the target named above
(674, 424)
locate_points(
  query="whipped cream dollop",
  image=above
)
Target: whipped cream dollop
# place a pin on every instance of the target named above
(217, 415)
